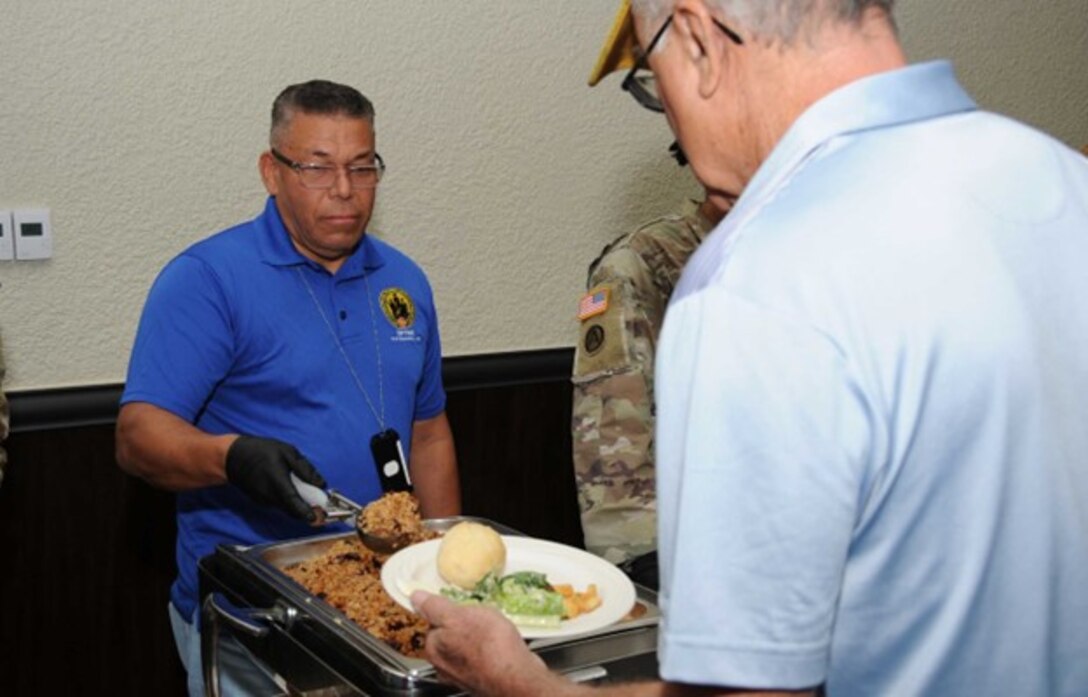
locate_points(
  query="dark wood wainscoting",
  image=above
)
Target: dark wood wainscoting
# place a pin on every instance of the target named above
(88, 551)
(514, 454)
(86, 572)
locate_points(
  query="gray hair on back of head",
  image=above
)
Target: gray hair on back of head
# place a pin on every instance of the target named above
(773, 20)
(318, 97)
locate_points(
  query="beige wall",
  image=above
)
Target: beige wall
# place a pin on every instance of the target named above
(139, 123)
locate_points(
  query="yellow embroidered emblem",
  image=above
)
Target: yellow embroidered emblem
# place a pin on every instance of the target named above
(398, 308)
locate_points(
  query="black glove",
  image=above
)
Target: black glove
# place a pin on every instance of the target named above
(262, 467)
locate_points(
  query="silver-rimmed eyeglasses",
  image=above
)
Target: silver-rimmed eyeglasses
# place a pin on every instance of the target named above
(642, 84)
(315, 176)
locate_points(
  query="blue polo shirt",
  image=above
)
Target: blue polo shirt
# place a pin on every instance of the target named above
(872, 394)
(231, 340)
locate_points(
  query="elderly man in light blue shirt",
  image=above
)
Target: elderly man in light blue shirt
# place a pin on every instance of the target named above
(872, 409)
(872, 386)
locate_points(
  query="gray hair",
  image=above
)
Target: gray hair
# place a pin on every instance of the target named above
(318, 97)
(780, 20)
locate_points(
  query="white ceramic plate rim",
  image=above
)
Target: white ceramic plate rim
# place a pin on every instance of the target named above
(416, 568)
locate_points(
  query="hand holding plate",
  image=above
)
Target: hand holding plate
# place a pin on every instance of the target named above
(479, 650)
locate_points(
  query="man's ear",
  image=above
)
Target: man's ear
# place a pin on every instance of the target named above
(266, 165)
(702, 43)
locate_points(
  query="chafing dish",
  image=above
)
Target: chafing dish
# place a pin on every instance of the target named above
(316, 650)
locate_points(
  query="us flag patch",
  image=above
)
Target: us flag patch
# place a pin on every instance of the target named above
(593, 303)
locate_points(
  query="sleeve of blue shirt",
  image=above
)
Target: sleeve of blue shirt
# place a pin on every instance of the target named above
(184, 344)
(430, 394)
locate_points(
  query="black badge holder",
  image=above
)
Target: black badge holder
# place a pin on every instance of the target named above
(389, 459)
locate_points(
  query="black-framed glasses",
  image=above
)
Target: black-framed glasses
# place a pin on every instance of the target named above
(643, 87)
(315, 176)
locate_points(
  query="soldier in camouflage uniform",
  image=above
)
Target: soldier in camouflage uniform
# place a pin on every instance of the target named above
(613, 416)
(621, 314)
(3, 416)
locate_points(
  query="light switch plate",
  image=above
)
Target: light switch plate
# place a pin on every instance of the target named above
(33, 234)
(7, 237)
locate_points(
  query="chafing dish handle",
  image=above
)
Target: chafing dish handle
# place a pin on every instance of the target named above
(251, 621)
(587, 674)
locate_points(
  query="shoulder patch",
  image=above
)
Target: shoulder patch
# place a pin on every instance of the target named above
(593, 303)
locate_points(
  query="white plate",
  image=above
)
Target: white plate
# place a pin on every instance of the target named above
(416, 568)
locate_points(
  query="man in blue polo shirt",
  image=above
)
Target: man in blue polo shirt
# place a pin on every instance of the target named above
(871, 385)
(295, 343)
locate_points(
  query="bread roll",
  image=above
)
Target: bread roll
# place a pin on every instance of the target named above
(469, 551)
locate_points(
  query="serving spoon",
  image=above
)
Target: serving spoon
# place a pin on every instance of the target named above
(333, 506)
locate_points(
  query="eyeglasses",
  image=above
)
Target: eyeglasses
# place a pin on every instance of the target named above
(314, 176)
(643, 87)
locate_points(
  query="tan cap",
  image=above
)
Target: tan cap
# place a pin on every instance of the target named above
(618, 52)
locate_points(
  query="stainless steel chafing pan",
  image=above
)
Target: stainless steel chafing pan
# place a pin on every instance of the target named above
(317, 650)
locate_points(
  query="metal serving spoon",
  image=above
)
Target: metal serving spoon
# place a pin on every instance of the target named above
(332, 506)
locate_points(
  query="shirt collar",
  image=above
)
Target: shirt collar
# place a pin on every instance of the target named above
(914, 93)
(276, 248)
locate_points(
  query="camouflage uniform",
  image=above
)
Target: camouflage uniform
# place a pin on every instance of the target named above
(3, 416)
(613, 414)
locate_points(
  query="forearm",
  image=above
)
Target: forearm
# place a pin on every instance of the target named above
(535, 681)
(167, 451)
(434, 468)
(478, 649)
(635, 689)
(664, 689)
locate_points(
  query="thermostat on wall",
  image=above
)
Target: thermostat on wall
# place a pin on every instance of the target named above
(33, 234)
(7, 238)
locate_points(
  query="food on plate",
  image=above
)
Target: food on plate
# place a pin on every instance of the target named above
(576, 603)
(527, 598)
(470, 552)
(348, 577)
(394, 515)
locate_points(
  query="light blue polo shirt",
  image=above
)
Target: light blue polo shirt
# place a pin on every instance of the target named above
(872, 434)
(232, 340)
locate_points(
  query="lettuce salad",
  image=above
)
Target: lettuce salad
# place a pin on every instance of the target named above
(525, 597)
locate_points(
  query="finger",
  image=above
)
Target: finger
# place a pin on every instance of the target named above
(445, 676)
(294, 505)
(291, 499)
(419, 602)
(305, 470)
(433, 608)
(448, 659)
